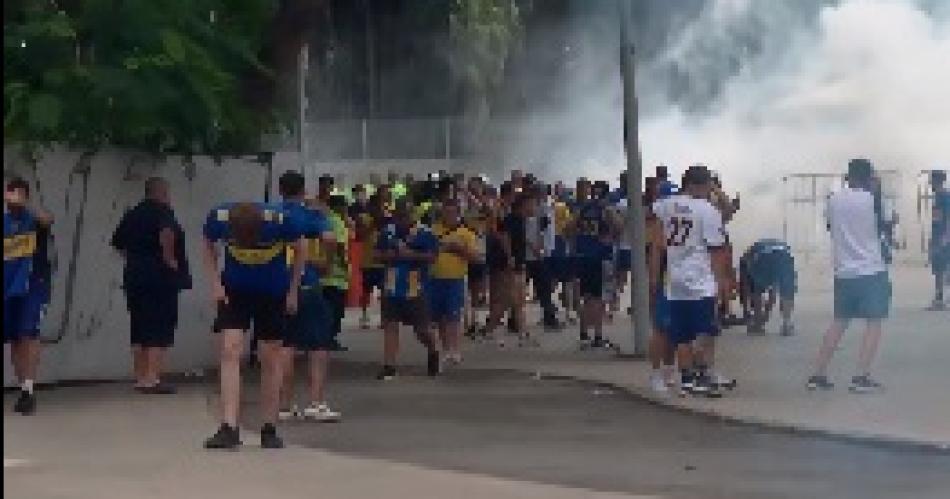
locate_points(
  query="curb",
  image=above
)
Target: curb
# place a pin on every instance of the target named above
(857, 437)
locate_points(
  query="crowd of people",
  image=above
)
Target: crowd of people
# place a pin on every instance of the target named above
(455, 259)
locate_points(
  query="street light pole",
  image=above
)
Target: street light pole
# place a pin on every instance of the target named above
(640, 294)
(303, 68)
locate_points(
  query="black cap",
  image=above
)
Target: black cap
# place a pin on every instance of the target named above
(860, 169)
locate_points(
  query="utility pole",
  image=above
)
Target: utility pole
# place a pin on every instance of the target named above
(640, 293)
(303, 68)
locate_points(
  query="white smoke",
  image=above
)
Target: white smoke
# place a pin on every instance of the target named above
(871, 80)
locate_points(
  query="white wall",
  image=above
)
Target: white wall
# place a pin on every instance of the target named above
(86, 329)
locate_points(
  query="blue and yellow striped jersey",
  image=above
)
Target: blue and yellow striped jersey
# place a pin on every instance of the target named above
(405, 278)
(263, 268)
(19, 247)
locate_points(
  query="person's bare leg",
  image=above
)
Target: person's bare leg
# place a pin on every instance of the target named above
(828, 346)
(154, 357)
(319, 368)
(869, 346)
(272, 363)
(658, 348)
(390, 343)
(287, 386)
(231, 344)
(139, 365)
(31, 357)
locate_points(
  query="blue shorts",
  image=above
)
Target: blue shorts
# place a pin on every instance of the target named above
(311, 329)
(22, 314)
(446, 299)
(690, 319)
(661, 313)
(773, 270)
(864, 297)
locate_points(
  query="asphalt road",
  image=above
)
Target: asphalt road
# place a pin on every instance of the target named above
(567, 433)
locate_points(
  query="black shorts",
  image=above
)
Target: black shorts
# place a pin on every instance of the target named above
(406, 311)
(267, 313)
(312, 327)
(373, 278)
(591, 276)
(477, 271)
(153, 317)
(335, 299)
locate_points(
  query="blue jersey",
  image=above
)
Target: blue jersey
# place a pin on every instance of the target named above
(667, 189)
(19, 247)
(263, 268)
(312, 224)
(591, 221)
(406, 278)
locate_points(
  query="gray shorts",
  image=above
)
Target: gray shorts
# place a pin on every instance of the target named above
(864, 297)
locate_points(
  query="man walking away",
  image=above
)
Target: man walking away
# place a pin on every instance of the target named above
(255, 287)
(26, 286)
(156, 271)
(862, 288)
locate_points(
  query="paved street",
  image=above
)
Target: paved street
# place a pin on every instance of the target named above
(473, 433)
(771, 369)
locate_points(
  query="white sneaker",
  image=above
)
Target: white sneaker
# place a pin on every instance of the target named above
(288, 414)
(321, 413)
(659, 384)
(452, 359)
(723, 381)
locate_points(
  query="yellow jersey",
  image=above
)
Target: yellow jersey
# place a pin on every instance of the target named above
(449, 265)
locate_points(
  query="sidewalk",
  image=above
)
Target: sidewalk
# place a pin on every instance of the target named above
(104, 442)
(771, 370)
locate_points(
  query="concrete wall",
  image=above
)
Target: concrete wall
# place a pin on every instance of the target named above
(86, 328)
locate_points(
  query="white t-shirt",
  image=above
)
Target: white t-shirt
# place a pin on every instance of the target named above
(856, 243)
(691, 226)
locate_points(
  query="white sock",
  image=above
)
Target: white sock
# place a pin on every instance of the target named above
(28, 386)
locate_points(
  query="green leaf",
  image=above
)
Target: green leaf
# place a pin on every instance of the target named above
(44, 111)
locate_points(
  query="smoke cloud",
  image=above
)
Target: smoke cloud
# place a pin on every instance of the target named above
(757, 89)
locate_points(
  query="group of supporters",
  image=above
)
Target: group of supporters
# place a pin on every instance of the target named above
(449, 255)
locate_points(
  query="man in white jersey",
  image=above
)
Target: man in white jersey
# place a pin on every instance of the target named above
(862, 287)
(697, 271)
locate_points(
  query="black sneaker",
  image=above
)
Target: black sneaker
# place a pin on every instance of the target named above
(226, 437)
(159, 389)
(432, 364)
(704, 386)
(25, 403)
(387, 373)
(600, 343)
(864, 384)
(269, 438)
(686, 385)
(819, 383)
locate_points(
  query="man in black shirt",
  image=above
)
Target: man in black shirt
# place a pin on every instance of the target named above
(156, 271)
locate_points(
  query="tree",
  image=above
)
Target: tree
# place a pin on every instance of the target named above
(484, 33)
(162, 76)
